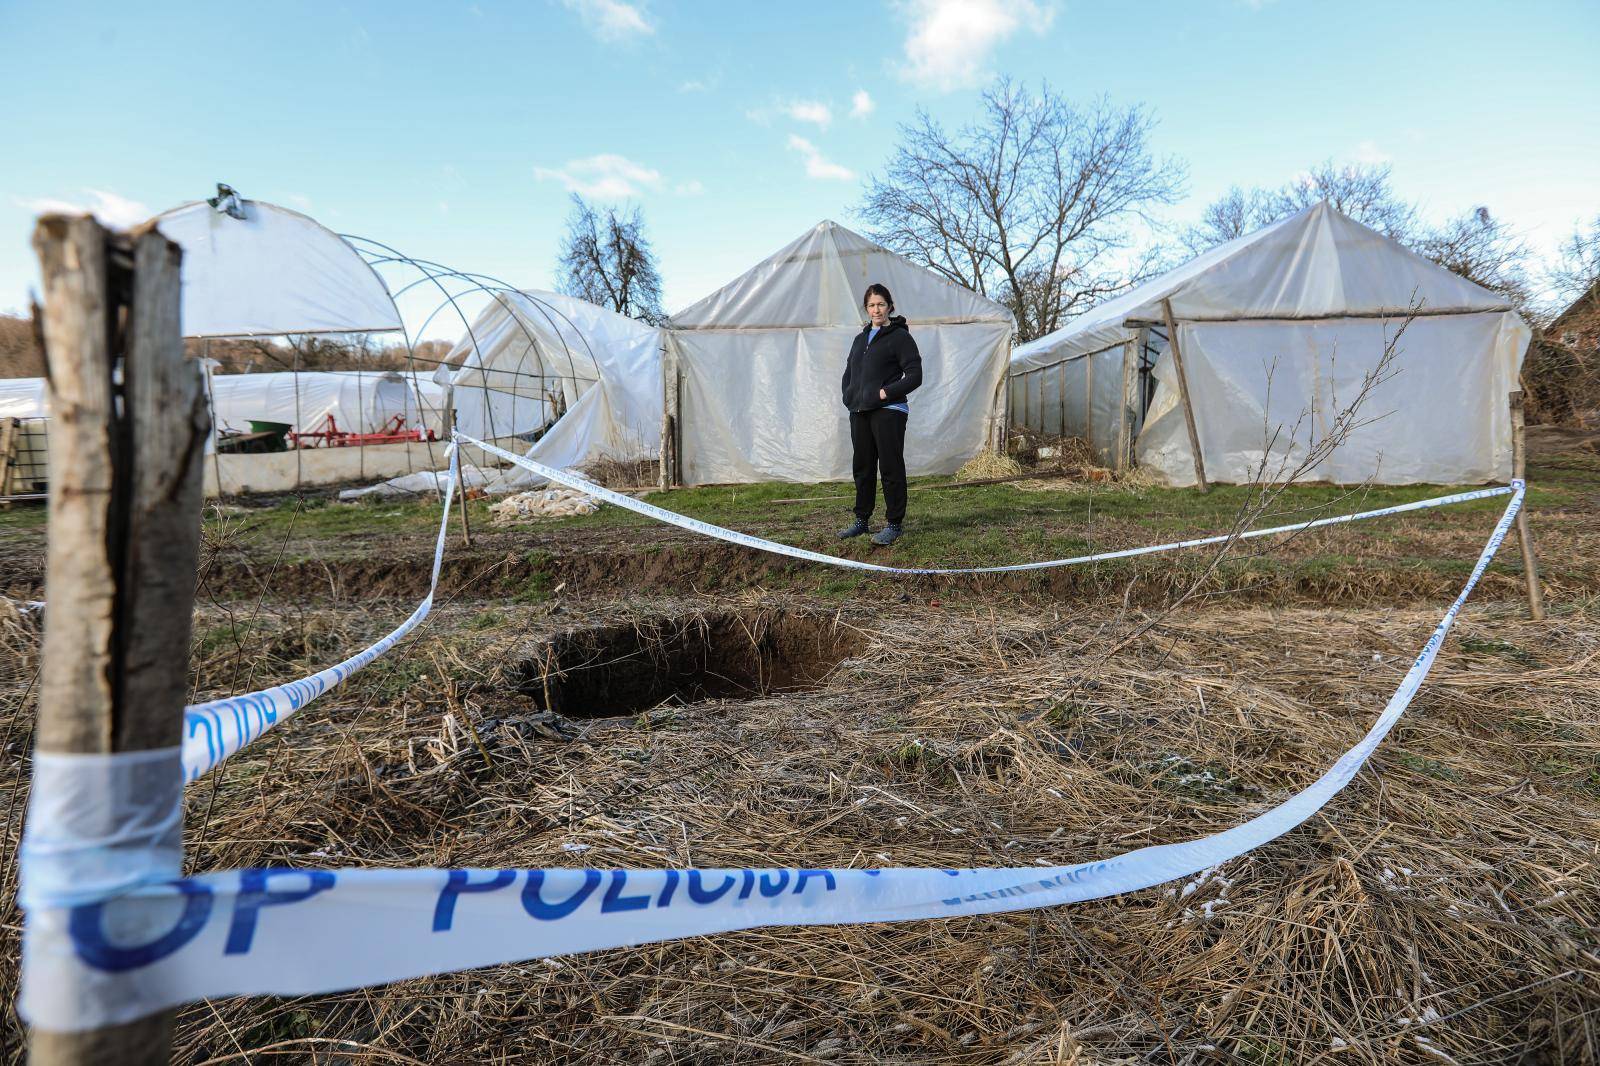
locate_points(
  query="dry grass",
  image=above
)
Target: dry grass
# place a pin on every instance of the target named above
(987, 464)
(1444, 905)
(623, 474)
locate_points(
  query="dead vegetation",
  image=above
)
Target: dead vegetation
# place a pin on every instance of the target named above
(1446, 904)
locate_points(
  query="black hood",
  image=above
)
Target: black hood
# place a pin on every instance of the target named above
(895, 322)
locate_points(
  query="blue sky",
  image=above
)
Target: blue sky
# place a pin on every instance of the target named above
(455, 131)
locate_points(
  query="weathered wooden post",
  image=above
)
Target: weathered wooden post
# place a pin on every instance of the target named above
(1519, 469)
(669, 421)
(1183, 395)
(126, 490)
(1132, 356)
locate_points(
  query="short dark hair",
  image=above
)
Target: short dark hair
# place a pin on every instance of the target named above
(877, 290)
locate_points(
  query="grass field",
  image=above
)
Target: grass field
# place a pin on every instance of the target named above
(654, 699)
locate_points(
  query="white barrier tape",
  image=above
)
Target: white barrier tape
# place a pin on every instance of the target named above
(302, 932)
(661, 514)
(215, 730)
(100, 825)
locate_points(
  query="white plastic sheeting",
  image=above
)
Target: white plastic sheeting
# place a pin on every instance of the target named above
(23, 398)
(1076, 397)
(359, 401)
(272, 272)
(759, 362)
(528, 348)
(1441, 418)
(1307, 302)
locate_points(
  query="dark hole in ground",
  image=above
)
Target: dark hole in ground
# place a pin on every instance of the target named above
(609, 671)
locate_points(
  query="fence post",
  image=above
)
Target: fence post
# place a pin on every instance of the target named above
(124, 521)
(1183, 394)
(1519, 469)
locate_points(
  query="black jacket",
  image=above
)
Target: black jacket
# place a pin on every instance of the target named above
(891, 363)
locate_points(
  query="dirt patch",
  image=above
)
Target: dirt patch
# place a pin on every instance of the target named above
(614, 670)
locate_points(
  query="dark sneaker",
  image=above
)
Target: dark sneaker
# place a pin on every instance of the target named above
(887, 535)
(855, 529)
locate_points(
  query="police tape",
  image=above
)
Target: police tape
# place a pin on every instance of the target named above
(661, 514)
(215, 730)
(281, 931)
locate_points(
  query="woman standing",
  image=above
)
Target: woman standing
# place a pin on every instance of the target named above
(883, 368)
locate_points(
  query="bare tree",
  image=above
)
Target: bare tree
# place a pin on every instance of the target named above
(1484, 250)
(1474, 244)
(607, 261)
(1361, 191)
(1032, 205)
(1577, 272)
(1233, 214)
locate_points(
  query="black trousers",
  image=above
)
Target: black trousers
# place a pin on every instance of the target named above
(878, 443)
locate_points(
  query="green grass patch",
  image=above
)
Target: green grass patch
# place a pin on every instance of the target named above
(20, 516)
(1500, 648)
(1578, 775)
(490, 619)
(1430, 767)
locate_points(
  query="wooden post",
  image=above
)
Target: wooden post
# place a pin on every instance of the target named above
(1088, 403)
(1124, 423)
(1519, 469)
(8, 447)
(997, 416)
(461, 496)
(671, 399)
(677, 423)
(1061, 397)
(1183, 395)
(125, 496)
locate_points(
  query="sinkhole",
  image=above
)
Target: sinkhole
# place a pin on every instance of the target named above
(615, 670)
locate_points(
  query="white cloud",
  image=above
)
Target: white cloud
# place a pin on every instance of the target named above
(812, 111)
(605, 177)
(950, 42)
(689, 188)
(861, 104)
(693, 85)
(612, 20)
(116, 211)
(816, 165)
(815, 112)
(1368, 153)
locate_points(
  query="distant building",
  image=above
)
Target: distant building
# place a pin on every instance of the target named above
(1578, 327)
